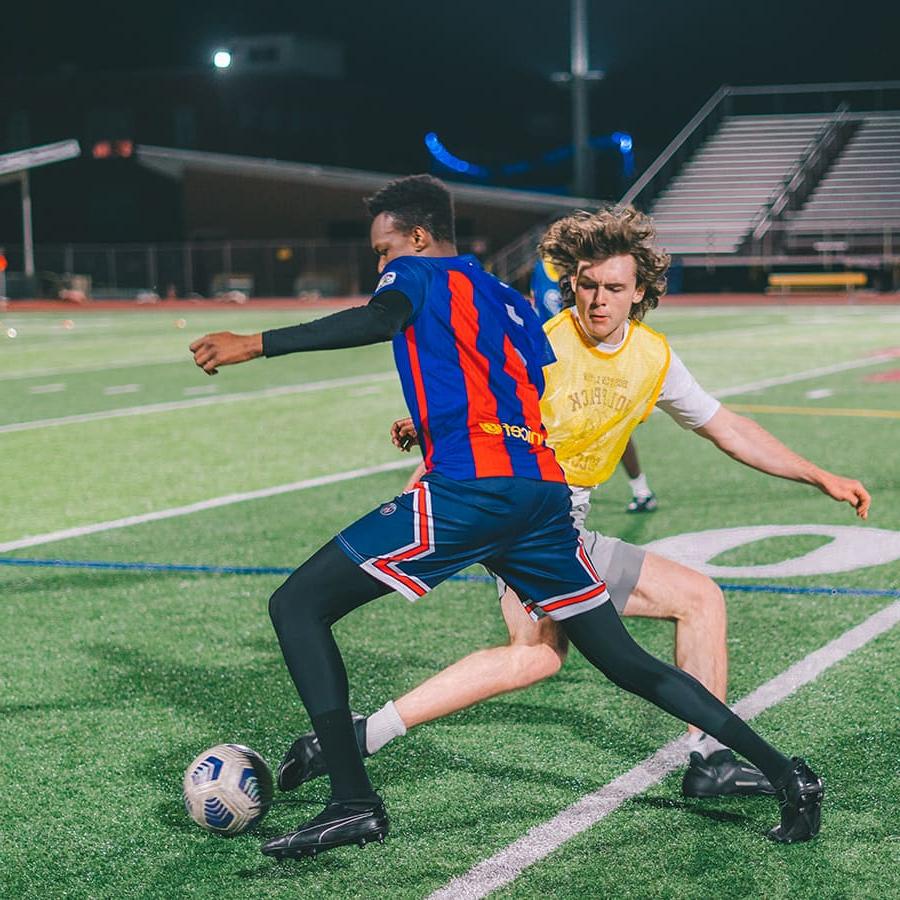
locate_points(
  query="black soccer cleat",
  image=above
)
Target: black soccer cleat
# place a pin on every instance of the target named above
(304, 760)
(722, 774)
(642, 504)
(342, 822)
(800, 801)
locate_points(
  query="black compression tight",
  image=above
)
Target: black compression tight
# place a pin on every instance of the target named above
(329, 585)
(605, 642)
(322, 591)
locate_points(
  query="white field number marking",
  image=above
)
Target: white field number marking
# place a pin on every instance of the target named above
(851, 547)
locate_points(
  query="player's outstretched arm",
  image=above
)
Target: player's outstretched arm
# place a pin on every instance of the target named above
(379, 320)
(748, 442)
(224, 348)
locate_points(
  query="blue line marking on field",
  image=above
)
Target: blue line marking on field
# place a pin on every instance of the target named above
(145, 567)
(483, 579)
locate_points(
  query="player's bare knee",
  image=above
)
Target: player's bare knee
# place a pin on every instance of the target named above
(533, 663)
(705, 606)
(559, 646)
(714, 606)
(702, 599)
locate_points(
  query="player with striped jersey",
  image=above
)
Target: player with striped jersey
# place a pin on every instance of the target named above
(470, 354)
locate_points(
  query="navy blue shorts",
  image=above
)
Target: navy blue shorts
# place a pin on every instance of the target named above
(519, 528)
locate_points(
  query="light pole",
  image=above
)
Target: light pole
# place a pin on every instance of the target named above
(578, 77)
(27, 230)
(584, 171)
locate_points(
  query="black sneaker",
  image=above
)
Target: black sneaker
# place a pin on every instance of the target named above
(304, 760)
(722, 774)
(340, 823)
(800, 801)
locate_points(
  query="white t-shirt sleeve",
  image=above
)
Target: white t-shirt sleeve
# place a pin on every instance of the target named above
(683, 399)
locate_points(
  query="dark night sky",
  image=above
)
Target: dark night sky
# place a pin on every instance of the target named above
(480, 69)
(761, 41)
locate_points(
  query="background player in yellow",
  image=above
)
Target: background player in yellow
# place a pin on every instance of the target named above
(611, 371)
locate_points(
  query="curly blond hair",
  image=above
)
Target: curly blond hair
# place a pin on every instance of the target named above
(586, 236)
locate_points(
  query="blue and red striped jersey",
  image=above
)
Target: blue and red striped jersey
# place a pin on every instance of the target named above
(470, 360)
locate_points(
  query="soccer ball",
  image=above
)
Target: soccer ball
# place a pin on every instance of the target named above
(228, 789)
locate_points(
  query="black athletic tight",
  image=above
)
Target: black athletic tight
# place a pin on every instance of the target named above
(329, 585)
(604, 641)
(322, 591)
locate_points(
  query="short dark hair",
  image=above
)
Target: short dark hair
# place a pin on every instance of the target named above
(416, 200)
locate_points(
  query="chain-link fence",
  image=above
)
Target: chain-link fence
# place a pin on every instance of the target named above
(206, 269)
(199, 269)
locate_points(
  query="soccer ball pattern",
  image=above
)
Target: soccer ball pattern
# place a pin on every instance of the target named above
(228, 789)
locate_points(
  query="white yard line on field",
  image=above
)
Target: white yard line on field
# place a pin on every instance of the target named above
(676, 340)
(96, 367)
(537, 843)
(214, 503)
(171, 406)
(201, 390)
(804, 375)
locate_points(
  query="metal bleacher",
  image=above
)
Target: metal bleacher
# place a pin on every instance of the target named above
(712, 204)
(774, 175)
(858, 199)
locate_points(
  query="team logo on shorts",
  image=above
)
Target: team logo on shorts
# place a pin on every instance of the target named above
(388, 509)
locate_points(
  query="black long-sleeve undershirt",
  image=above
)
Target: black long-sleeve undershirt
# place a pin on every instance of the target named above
(379, 320)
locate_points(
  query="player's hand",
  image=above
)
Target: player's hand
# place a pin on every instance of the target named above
(847, 490)
(224, 348)
(403, 434)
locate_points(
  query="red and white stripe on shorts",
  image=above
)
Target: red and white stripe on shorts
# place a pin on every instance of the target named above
(386, 568)
(564, 606)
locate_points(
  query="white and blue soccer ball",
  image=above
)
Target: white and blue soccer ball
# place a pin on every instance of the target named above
(228, 789)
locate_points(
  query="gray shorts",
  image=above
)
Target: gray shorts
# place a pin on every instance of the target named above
(617, 563)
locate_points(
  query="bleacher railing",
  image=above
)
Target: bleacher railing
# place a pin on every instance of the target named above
(805, 173)
(704, 122)
(515, 261)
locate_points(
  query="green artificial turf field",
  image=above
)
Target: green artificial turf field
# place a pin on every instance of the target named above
(112, 681)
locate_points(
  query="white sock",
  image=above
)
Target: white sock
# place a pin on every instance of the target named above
(383, 726)
(704, 744)
(639, 486)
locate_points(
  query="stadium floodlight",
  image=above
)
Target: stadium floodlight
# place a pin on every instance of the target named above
(222, 59)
